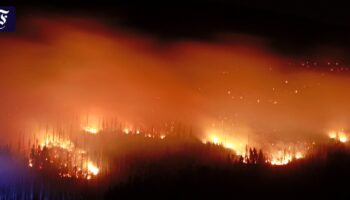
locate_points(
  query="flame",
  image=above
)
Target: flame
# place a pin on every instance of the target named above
(54, 142)
(79, 166)
(342, 137)
(215, 139)
(126, 130)
(228, 142)
(299, 155)
(91, 124)
(332, 134)
(229, 145)
(30, 163)
(274, 156)
(91, 130)
(338, 135)
(283, 158)
(92, 168)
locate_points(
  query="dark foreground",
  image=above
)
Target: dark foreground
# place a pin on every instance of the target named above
(182, 175)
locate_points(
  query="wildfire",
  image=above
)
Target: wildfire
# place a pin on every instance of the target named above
(71, 161)
(92, 168)
(64, 156)
(283, 158)
(57, 142)
(30, 163)
(275, 157)
(227, 142)
(126, 130)
(332, 135)
(343, 137)
(91, 130)
(215, 139)
(91, 124)
(299, 155)
(338, 136)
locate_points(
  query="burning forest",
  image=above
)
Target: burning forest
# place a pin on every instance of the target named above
(125, 102)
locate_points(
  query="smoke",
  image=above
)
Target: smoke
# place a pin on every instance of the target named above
(76, 67)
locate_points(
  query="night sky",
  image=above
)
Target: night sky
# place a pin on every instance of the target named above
(291, 26)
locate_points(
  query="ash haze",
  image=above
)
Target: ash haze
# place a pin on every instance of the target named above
(71, 66)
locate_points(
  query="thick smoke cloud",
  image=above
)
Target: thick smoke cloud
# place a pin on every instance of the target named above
(70, 67)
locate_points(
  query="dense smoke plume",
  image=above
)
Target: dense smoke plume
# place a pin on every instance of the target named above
(60, 69)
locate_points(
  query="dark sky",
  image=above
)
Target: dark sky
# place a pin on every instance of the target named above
(291, 26)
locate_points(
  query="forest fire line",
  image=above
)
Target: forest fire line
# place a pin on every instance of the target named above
(340, 136)
(70, 160)
(275, 155)
(53, 151)
(64, 157)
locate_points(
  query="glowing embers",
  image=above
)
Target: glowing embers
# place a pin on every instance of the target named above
(340, 136)
(30, 163)
(62, 157)
(151, 135)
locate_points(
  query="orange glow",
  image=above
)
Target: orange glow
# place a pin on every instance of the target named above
(280, 159)
(210, 85)
(91, 130)
(299, 155)
(54, 142)
(215, 139)
(93, 168)
(30, 163)
(229, 145)
(340, 136)
(126, 130)
(284, 157)
(91, 124)
(275, 158)
(227, 141)
(58, 148)
(332, 135)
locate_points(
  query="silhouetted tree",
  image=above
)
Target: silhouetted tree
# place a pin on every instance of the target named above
(261, 158)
